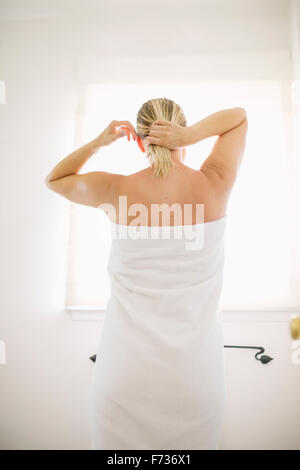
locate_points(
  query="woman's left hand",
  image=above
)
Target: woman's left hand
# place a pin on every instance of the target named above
(114, 131)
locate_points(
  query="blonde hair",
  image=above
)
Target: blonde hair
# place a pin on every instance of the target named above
(155, 109)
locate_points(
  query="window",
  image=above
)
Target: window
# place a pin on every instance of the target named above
(262, 230)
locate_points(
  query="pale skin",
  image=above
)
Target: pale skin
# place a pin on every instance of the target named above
(210, 185)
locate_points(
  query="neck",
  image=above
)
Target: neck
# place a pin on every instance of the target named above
(177, 155)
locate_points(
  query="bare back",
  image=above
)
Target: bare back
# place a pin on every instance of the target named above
(182, 186)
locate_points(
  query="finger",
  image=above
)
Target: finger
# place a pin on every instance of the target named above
(128, 132)
(161, 122)
(153, 140)
(128, 124)
(161, 130)
(157, 132)
(119, 134)
(158, 127)
(125, 131)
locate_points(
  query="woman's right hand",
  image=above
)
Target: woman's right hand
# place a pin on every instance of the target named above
(168, 134)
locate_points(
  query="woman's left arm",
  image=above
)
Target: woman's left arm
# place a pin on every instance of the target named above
(93, 188)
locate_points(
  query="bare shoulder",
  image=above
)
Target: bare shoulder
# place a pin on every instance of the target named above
(98, 187)
(214, 192)
(132, 182)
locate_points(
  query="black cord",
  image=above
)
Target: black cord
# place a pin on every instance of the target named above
(263, 359)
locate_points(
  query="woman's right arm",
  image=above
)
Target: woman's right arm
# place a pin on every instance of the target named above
(215, 124)
(224, 160)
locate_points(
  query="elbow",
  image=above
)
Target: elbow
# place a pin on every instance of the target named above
(48, 182)
(243, 114)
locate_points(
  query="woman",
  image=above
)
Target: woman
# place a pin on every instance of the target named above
(159, 374)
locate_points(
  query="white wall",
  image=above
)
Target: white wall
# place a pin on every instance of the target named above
(43, 382)
(43, 53)
(262, 400)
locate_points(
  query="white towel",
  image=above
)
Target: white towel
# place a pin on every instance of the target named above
(159, 376)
